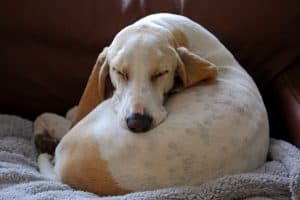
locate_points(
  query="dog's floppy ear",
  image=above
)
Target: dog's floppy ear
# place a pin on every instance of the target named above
(193, 69)
(96, 89)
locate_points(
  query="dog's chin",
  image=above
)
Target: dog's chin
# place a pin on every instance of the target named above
(159, 119)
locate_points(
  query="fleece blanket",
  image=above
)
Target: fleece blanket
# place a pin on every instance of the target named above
(278, 178)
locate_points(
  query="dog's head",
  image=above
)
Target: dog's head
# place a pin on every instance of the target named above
(142, 65)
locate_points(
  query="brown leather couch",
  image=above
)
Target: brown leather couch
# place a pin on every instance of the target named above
(48, 49)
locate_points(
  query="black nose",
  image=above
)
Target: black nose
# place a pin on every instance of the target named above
(139, 123)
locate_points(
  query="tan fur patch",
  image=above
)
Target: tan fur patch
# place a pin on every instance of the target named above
(95, 89)
(180, 38)
(84, 169)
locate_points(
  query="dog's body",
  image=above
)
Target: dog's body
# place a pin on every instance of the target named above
(210, 130)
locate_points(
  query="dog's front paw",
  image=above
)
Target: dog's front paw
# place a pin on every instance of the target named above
(49, 128)
(46, 164)
(44, 143)
(71, 114)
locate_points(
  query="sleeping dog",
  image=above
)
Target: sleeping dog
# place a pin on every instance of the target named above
(201, 132)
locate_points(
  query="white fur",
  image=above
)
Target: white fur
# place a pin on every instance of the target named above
(46, 166)
(210, 130)
(227, 126)
(196, 143)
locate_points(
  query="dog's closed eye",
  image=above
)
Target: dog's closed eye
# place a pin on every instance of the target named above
(123, 75)
(158, 75)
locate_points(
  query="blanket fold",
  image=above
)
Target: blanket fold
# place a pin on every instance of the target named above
(278, 178)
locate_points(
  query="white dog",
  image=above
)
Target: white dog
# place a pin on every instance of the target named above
(202, 132)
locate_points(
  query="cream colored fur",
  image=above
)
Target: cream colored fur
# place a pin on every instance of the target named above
(200, 133)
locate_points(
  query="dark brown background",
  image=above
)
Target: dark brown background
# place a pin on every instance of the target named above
(49, 47)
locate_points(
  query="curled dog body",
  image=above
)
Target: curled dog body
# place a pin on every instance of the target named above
(186, 138)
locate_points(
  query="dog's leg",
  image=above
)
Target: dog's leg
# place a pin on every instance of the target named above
(46, 167)
(49, 128)
(71, 114)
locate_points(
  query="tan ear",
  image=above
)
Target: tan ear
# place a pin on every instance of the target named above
(95, 89)
(192, 69)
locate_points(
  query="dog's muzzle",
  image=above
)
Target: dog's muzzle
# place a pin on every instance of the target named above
(139, 123)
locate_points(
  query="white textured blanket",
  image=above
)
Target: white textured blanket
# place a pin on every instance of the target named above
(279, 178)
